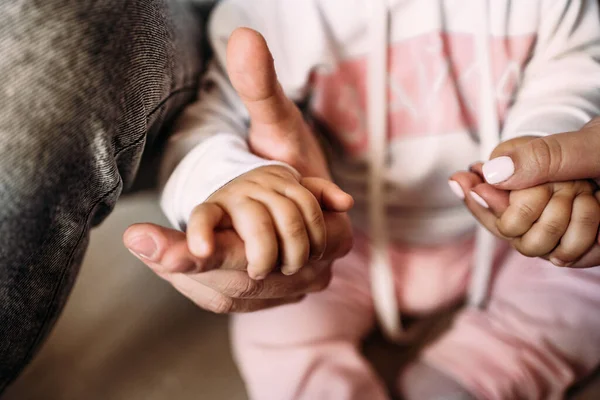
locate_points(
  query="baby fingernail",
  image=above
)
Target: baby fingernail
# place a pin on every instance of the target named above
(456, 189)
(287, 270)
(557, 262)
(498, 170)
(258, 276)
(479, 200)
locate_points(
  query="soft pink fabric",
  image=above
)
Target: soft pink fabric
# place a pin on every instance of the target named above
(540, 332)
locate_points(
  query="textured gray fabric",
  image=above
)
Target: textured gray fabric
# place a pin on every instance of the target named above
(85, 85)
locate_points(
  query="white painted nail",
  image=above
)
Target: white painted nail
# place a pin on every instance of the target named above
(456, 189)
(498, 170)
(479, 200)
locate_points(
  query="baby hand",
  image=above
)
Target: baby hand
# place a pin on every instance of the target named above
(279, 218)
(557, 221)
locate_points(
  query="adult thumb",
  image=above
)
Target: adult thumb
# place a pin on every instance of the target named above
(554, 158)
(252, 73)
(278, 130)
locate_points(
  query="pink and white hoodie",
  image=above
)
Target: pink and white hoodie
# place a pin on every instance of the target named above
(410, 91)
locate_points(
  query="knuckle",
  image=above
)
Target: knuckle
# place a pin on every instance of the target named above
(584, 186)
(524, 211)
(528, 249)
(258, 222)
(280, 172)
(315, 219)
(588, 211)
(553, 228)
(547, 155)
(588, 218)
(251, 289)
(263, 225)
(315, 213)
(510, 226)
(506, 227)
(247, 289)
(295, 229)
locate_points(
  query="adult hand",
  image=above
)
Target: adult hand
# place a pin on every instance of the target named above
(487, 203)
(554, 158)
(220, 282)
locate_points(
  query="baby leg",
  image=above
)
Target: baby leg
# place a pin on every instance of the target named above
(310, 350)
(539, 334)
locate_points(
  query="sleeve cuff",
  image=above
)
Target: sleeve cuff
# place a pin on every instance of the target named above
(547, 122)
(205, 169)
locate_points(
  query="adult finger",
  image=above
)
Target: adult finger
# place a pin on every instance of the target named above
(166, 250)
(554, 158)
(278, 130)
(214, 301)
(162, 249)
(462, 184)
(340, 238)
(237, 284)
(252, 73)
(496, 200)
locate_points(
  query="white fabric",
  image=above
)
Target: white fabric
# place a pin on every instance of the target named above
(226, 156)
(381, 274)
(548, 80)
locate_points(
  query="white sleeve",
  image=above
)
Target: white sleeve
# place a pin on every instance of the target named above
(208, 147)
(204, 170)
(560, 91)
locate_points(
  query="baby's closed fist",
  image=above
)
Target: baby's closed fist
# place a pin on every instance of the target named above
(557, 221)
(277, 215)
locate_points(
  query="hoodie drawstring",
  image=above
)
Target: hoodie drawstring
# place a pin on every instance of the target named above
(381, 271)
(489, 138)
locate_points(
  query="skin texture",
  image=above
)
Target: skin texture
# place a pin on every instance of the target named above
(554, 220)
(214, 274)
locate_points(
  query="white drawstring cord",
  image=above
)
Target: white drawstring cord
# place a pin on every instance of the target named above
(489, 137)
(382, 279)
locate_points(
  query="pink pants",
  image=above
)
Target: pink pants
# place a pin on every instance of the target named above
(538, 335)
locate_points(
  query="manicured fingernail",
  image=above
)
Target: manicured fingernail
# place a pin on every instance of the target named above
(558, 262)
(144, 246)
(456, 189)
(498, 170)
(479, 200)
